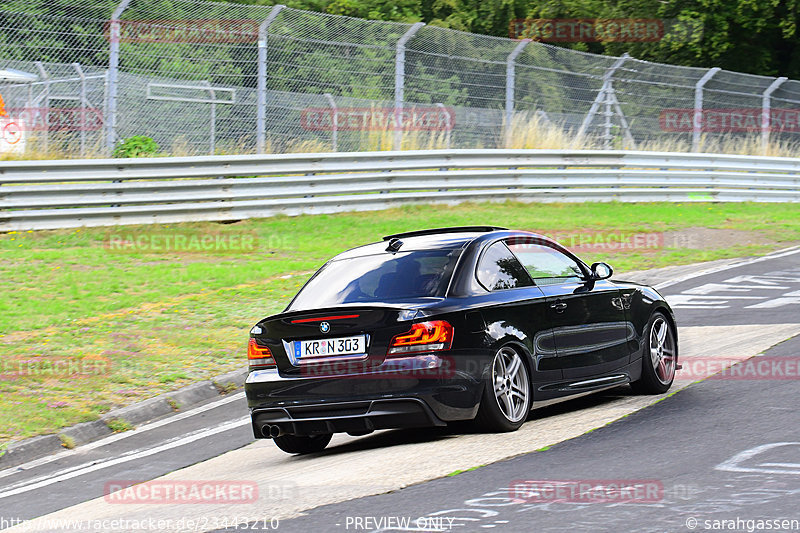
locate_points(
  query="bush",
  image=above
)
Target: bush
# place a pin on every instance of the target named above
(136, 146)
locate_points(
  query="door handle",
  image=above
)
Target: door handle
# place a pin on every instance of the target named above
(558, 306)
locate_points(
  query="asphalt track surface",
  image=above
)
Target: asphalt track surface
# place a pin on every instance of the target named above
(677, 444)
(717, 451)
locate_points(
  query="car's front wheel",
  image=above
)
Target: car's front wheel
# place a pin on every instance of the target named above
(659, 359)
(506, 398)
(303, 444)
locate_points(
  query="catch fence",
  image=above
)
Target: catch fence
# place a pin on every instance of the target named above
(214, 77)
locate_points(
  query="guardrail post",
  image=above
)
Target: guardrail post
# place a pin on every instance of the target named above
(511, 75)
(400, 81)
(261, 90)
(766, 118)
(114, 36)
(334, 121)
(697, 118)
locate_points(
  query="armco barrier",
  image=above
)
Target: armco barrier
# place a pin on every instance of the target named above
(98, 192)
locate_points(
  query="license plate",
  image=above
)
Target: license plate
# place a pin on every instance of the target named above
(329, 347)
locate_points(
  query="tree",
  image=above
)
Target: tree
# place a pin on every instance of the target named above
(755, 36)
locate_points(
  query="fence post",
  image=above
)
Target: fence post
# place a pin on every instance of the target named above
(114, 36)
(400, 81)
(698, 107)
(602, 97)
(334, 121)
(212, 128)
(766, 118)
(261, 90)
(608, 113)
(46, 116)
(82, 126)
(511, 77)
(449, 124)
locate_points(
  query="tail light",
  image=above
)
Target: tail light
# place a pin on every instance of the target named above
(259, 356)
(430, 336)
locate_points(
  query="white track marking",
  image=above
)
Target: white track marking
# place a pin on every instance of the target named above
(775, 255)
(734, 463)
(119, 436)
(131, 456)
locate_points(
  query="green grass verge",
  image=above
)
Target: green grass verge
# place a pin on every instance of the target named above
(146, 321)
(457, 472)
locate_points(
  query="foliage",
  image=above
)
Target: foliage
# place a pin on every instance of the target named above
(118, 425)
(758, 37)
(136, 146)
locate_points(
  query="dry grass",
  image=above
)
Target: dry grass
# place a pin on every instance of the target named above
(59, 146)
(377, 140)
(382, 140)
(535, 131)
(745, 145)
(528, 131)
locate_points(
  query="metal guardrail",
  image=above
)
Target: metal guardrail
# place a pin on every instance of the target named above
(74, 193)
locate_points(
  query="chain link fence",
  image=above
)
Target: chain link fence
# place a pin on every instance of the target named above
(78, 76)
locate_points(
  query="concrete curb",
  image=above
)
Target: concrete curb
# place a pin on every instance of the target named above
(165, 404)
(233, 379)
(28, 449)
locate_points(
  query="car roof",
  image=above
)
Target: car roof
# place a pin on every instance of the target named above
(440, 239)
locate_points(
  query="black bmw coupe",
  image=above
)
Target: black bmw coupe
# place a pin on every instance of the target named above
(442, 325)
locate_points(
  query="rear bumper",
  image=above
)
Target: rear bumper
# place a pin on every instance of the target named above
(430, 391)
(355, 417)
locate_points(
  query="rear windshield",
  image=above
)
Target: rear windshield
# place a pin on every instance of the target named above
(378, 278)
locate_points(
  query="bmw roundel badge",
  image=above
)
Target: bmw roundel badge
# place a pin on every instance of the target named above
(324, 327)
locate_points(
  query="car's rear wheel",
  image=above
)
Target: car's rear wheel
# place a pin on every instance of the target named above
(303, 444)
(659, 359)
(506, 398)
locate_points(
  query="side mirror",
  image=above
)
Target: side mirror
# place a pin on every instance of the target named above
(601, 271)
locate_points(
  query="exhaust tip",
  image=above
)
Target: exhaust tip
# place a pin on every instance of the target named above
(270, 431)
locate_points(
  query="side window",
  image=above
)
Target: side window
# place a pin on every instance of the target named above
(498, 269)
(546, 265)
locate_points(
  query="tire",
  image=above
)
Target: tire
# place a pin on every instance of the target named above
(303, 444)
(506, 400)
(659, 358)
